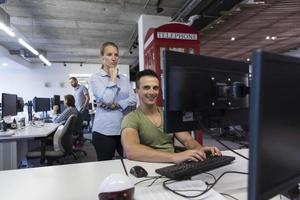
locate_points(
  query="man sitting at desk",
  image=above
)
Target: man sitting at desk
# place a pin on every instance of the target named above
(70, 109)
(142, 134)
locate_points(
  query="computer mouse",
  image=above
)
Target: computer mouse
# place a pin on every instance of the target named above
(115, 187)
(138, 171)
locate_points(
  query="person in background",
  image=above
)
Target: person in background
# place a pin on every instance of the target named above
(142, 134)
(114, 95)
(82, 99)
(69, 102)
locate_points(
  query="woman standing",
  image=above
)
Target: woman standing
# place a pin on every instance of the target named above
(113, 94)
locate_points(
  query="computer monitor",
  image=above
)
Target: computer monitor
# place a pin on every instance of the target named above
(41, 104)
(274, 125)
(9, 104)
(90, 106)
(20, 104)
(62, 106)
(203, 91)
(55, 100)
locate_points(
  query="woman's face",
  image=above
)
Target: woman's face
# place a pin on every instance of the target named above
(110, 57)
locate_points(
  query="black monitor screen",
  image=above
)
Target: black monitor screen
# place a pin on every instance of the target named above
(90, 106)
(203, 89)
(41, 104)
(9, 104)
(62, 106)
(20, 104)
(55, 100)
(274, 125)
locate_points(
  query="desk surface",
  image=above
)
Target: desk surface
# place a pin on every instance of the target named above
(233, 184)
(31, 131)
(81, 181)
(64, 182)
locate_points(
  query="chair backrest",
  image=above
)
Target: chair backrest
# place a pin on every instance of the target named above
(66, 138)
(79, 125)
(57, 139)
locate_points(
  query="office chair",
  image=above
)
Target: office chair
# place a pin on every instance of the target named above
(62, 143)
(78, 137)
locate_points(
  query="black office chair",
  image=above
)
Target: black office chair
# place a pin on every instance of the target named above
(78, 137)
(62, 143)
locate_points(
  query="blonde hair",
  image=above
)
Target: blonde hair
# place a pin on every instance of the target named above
(104, 45)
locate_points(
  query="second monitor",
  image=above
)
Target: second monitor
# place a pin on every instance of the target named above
(201, 90)
(41, 104)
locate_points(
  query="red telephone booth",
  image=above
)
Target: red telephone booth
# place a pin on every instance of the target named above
(175, 37)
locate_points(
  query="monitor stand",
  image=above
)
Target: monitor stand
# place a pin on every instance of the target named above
(293, 193)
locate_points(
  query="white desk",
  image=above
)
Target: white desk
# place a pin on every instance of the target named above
(14, 148)
(31, 131)
(233, 184)
(64, 182)
(81, 181)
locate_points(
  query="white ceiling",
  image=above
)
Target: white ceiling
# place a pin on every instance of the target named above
(73, 30)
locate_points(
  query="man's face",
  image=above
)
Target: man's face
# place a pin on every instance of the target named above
(110, 57)
(73, 83)
(148, 90)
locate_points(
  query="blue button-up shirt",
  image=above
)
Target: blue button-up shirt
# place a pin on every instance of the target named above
(79, 95)
(108, 122)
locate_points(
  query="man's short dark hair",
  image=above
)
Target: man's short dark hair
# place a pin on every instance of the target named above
(146, 72)
(73, 78)
(70, 100)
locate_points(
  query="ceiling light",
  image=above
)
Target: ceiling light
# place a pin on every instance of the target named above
(4, 64)
(27, 46)
(232, 38)
(267, 37)
(7, 30)
(273, 37)
(44, 60)
(248, 59)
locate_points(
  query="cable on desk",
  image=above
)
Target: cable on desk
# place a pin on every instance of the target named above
(207, 183)
(124, 167)
(208, 186)
(148, 178)
(210, 133)
(224, 194)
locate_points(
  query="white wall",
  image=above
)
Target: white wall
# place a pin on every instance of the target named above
(30, 82)
(146, 22)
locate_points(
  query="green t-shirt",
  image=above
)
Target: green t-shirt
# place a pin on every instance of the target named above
(149, 134)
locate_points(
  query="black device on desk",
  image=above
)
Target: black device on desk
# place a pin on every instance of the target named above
(274, 165)
(62, 106)
(202, 92)
(187, 169)
(20, 104)
(48, 120)
(138, 171)
(55, 100)
(41, 105)
(9, 104)
(202, 88)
